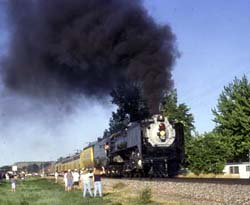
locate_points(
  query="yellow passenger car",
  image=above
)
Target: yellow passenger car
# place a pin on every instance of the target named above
(87, 157)
(70, 162)
(58, 166)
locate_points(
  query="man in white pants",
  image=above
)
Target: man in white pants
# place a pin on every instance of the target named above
(85, 179)
(98, 171)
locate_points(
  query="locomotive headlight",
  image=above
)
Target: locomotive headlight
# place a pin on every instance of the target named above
(162, 133)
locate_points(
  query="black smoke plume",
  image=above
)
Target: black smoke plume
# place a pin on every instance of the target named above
(68, 47)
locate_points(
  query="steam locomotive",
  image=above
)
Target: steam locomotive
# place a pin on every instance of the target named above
(153, 147)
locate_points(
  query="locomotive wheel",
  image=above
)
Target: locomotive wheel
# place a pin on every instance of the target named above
(172, 168)
(146, 169)
(126, 174)
(140, 173)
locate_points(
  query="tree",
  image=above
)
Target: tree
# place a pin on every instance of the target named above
(131, 104)
(106, 133)
(180, 112)
(33, 168)
(232, 117)
(117, 121)
(5, 168)
(207, 153)
(130, 101)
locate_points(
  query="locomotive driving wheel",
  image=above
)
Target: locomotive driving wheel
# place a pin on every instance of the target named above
(172, 168)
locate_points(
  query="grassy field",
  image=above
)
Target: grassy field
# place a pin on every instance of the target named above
(38, 191)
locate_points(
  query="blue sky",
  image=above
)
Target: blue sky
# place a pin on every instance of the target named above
(213, 38)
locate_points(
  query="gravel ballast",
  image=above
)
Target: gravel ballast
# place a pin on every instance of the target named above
(191, 193)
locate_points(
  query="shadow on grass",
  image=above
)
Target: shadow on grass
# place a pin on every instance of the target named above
(96, 201)
(107, 194)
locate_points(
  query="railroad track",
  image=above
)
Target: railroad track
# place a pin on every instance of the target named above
(197, 180)
(232, 181)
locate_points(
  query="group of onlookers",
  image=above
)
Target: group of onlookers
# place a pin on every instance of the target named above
(72, 179)
(10, 177)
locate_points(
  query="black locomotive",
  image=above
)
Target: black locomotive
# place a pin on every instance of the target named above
(153, 147)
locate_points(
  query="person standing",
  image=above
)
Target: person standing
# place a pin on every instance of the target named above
(7, 176)
(76, 179)
(65, 181)
(13, 183)
(56, 176)
(85, 179)
(69, 180)
(97, 180)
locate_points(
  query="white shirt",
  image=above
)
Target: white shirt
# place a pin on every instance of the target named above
(65, 177)
(86, 177)
(75, 176)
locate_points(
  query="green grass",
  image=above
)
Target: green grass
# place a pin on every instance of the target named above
(37, 191)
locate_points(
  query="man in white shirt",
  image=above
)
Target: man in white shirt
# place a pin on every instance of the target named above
(76, 178)
(85, 179)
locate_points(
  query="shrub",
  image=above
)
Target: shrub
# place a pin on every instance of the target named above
(146, 196)
(24, 203)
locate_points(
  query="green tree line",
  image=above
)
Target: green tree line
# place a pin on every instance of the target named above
(230, 139)
(205, 153)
